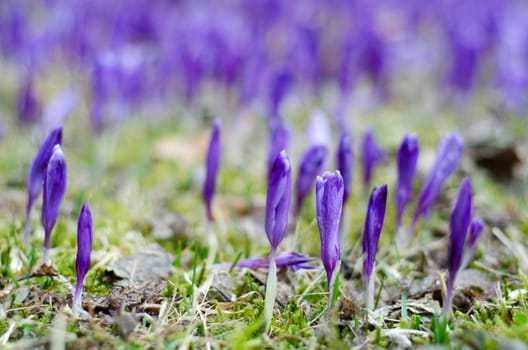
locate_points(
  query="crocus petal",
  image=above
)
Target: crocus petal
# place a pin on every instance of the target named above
(84, 250)
(54, 191)
(407, 160)
(278, 199)
(448, 155)
(293, 260)
(214, 153)
(279, 140)
(28, 105)
(329, 203)
(311, 165)
(372, 155)
(345, 163)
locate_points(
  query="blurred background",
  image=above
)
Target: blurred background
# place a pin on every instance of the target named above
(112, 60)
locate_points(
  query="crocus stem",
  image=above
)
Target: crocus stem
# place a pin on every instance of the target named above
(27, 227)
(332, 284)
(466, 258)
(45, 257)
(77, 298)
(271, 289)
(448, 298)
(370, 290)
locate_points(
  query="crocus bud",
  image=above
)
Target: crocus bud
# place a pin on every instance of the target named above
(475, 230)
(317, 129)
(372, 154)
(279, 139)
(371, 235)
(214, 153)
(28, 106)
(458, 228)
(278, 199)
(311, 165)
(407, 159)
(345, 163)
(54, 191)
(448, 155)
(84, 250)
(37, 171)
(329, 203)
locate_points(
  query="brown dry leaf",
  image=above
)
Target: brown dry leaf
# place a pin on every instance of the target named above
(222, 287)
(348, 308)
(182, 148)
(152, 263)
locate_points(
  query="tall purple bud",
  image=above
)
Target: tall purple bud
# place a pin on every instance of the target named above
(54, 191)
(458, 226)
(372, 155)
(214, 154)
(84, 250)
(407, 160)
(448, 155)
(345, 163)
(311, 165)
(278, 201)
(475, 230)
(371, 235)
(37, 172)
(329, 203)
(28, 106)
(279, 140)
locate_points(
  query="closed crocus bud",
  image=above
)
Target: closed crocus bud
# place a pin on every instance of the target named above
(371, 235)
(372, 155)
(448, 155)
(279, 140)
(84, 250)
(54, 191)
(475, 230)
(214, 154)
(329, 202)
(458, 228)
(311, 165)
(277, 207)
(28, 106)
(407, 160)
(37, 172)
(345, 163)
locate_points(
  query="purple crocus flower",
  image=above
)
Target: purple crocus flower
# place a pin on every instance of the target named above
(448, 155)
(37, 172)
(277, 208)
(311, 165)
(371, 235)
(293, 260)
(329, 202)
(475, 230)
(458, 227)
(214, 153)
(372, 154)
(28, 106)
(407, 160)
(345, 163)
(84, 250)
(279, 139)
(54, 191)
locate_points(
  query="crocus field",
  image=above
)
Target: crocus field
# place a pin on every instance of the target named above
(272, 174)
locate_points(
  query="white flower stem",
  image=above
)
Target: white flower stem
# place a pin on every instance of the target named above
(271, 290)
(370, 289)
(77, 299)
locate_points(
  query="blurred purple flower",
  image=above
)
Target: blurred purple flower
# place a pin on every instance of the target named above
(28, 105)
(281, 82)
(318, 131)
(329, 203)
(475, 230)
(371, 235)
(372, 156)
(214, 154)
(279, 140)
(84, 250)
(448, 155)
(293, 260)
(458, 227)
(407, 160)
(58, 109)
(54, 191)
(37, 173)
(345, 163)
(311, 165)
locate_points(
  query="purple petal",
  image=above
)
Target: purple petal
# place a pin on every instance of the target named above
(279, 139)
(475, 230)
(28, 105)
(84, 245)
(311, 165)
(407, 160)
(54, 191)
(372, 154)
(214, 153)
(329, 203)
(372, 229)
(278, 199)
(293, 260)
